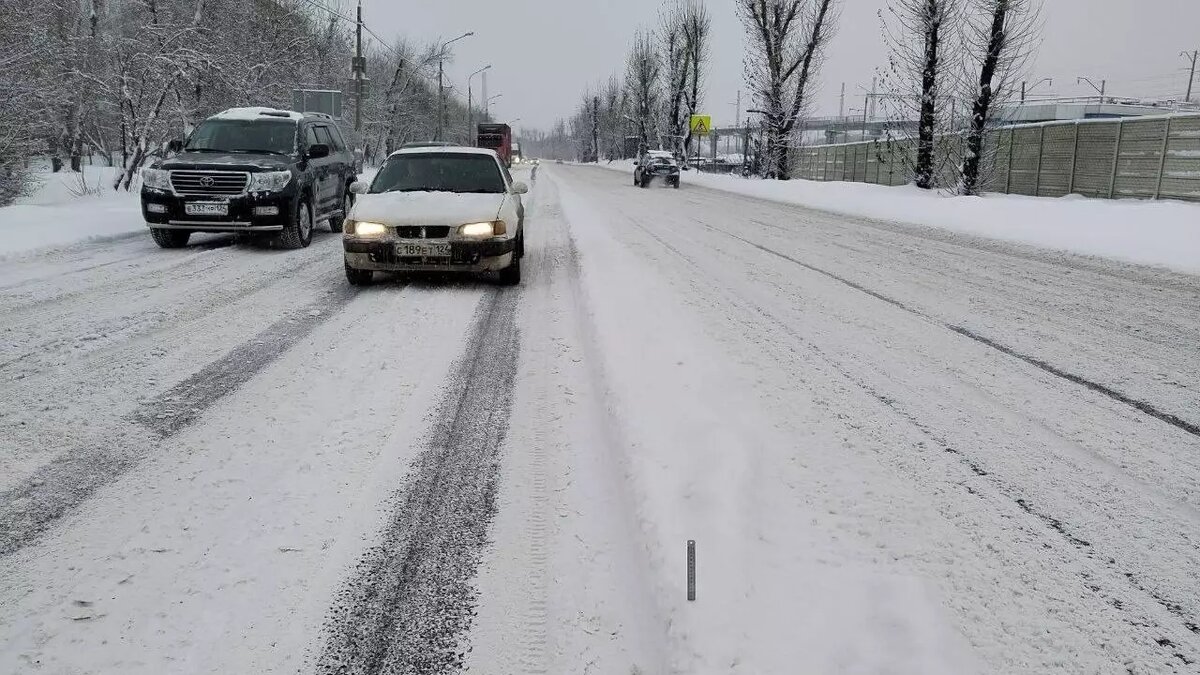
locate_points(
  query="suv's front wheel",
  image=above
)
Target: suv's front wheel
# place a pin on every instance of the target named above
(170, 238)
(298, 232)
(336, 222)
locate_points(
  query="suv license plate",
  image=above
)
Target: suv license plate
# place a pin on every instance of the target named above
(422, 250)
(206, 209)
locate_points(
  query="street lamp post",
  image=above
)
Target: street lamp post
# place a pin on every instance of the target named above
(470, 111)
(441, 89)
(1047, 80)
(487, 105)
(1101, 88)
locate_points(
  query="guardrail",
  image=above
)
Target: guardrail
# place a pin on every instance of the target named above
(1129, 158)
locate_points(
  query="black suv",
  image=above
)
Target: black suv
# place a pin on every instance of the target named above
(252, 171)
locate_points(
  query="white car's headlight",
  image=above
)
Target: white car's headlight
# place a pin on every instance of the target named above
(367, 229)
(269, 181)
(159, 179)
(483, 230)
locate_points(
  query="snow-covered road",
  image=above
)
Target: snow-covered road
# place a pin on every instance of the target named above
(898, 449)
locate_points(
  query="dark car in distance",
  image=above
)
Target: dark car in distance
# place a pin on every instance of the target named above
(255, 172)
(656, 164)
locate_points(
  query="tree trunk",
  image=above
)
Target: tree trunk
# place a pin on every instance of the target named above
(927, 126)
(983, 100)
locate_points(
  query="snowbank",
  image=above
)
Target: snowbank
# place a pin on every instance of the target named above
(69, 208)
(1162, 233)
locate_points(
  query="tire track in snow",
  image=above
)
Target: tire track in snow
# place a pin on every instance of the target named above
(180, 405)
(410, 600)
(62, 484)
(1008, 491)
(1142, 406)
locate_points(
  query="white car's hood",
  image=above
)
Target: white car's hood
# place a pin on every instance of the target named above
(427, 208)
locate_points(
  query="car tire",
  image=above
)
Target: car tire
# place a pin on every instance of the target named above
(511, 275)
(298, 232)
(521, 245)
(358, 277)
(170, 238)
(336, 223)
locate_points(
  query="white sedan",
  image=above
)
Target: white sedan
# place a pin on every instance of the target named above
(437, 209)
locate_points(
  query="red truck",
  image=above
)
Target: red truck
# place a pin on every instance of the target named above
(496, 137)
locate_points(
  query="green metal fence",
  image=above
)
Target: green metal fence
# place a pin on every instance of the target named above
(1129, 158)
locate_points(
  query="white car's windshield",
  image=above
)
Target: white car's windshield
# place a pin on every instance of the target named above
(439, 172)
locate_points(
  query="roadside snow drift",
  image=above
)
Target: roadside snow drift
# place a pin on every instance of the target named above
(1162, 233)
(68, 208)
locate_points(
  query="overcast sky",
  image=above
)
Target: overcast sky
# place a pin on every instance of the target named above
(545, 53)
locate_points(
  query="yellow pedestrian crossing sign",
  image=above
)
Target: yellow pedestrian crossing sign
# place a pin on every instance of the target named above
(701, 125)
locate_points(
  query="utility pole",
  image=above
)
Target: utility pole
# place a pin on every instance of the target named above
(842, 103)
(1192, 76)
(867, 106)
(358, 67)
(441, 100)
(737, 118)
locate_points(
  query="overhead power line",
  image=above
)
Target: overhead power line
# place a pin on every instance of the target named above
(354, 21)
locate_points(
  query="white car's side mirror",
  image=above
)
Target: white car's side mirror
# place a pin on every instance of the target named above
(519, 188)
(359, 187)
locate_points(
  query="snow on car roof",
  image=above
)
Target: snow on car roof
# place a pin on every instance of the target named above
(444, 149)
(257, 112)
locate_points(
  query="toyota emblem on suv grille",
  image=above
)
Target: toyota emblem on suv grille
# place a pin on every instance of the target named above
(206, 181)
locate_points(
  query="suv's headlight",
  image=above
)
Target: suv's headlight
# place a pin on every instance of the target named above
(159, 179)
(366, 229)
(483, 230)
(269, 181)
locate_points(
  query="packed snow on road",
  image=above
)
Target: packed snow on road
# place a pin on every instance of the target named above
(897, 449)
(617, 338)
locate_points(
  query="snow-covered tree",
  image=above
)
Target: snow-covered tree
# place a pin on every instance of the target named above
(697, 25)
(786, 41)
(922, 64)
(999, 38)
(642, 74)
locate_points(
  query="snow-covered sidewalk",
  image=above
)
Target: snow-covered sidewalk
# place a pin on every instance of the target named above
(1162, 233)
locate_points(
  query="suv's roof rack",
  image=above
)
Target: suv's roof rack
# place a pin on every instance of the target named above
(255, 112)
